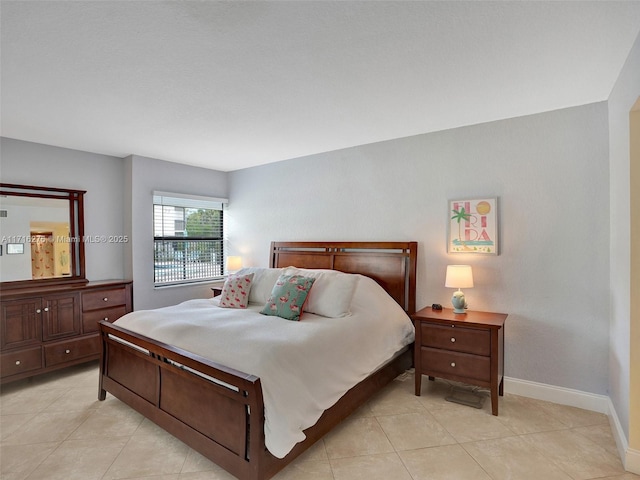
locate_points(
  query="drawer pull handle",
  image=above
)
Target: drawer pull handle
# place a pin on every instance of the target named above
(46, 309)
(67, 351)
(106, 299)
(106, 319)
(453, 340)
(17, 362)
(38, 310)
(453, 364)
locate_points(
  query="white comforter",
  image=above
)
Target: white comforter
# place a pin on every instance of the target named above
(304, 367)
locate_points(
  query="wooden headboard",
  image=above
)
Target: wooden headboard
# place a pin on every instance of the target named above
(391, 264)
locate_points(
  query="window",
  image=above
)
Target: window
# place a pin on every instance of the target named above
(188, 238)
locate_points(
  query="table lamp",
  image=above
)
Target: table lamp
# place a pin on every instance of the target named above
(459, 276)
(233, 264)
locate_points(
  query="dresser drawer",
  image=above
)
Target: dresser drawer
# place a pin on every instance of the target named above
(21, 361)
(459, 339)
(66, 351)
(106, 298)
(90, 319)
(445, 363)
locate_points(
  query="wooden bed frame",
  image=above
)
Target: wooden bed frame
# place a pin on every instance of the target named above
(219, 411)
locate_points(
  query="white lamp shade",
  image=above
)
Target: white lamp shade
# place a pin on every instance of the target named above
(234, 263)
(459, 276)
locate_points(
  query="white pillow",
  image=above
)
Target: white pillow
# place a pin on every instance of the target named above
(331, 293)
(263, 281)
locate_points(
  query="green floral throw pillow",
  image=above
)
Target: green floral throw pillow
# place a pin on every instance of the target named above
(288, 296)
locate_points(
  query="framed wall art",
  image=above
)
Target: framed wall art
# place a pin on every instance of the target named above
(473, 226)
(15, 248)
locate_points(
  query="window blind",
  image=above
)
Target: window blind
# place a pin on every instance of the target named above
(188, 238)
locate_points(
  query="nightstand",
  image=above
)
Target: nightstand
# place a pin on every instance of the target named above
(465, 347)
(217, 289)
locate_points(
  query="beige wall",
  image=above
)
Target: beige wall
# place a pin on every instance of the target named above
(634, 387)
(623, 299)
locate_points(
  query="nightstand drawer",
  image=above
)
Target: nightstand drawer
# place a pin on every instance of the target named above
(446, 363)
(103, 299)
(459, 339)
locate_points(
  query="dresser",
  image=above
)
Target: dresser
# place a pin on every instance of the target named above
(46, 328)
(464, 347)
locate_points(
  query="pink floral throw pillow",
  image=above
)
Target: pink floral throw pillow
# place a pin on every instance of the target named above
(235, 291)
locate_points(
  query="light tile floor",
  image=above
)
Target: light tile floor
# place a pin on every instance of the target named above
(53, 427)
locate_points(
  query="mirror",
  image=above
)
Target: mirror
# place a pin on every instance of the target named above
(41, 232)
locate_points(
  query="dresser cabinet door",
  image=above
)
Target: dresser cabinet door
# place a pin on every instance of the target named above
(61, 316)
(20, 323)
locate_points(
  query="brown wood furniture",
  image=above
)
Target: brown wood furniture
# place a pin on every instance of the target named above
(465, 347)
(216, 288)
(225, 423)
(44, 197)
(44, 328)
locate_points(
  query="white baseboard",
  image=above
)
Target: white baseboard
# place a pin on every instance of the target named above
(632, 461)
(597, 403)
(618, 433)
(561, 395)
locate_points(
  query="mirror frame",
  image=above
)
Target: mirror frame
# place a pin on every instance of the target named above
(76, 232)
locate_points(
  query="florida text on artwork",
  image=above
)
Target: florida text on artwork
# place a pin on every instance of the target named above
(473, 226)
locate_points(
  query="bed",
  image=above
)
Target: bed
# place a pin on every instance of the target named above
(220, 411)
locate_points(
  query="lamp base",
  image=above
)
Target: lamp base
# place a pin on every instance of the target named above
(458, 302)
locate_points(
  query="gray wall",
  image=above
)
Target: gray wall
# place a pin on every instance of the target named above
(100, 175)
(622, 98)
(550, 172)
(146, 175)
(118, 202)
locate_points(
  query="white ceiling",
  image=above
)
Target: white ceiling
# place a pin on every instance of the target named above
(234, 84)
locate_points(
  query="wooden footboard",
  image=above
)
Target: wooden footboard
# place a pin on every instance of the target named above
(215, 410)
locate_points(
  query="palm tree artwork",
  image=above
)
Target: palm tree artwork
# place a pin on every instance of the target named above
(460, 216)
(477, 227)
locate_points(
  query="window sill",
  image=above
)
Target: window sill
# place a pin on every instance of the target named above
(207, 282)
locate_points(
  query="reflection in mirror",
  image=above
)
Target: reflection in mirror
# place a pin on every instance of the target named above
(50, 243)
(40, 228)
